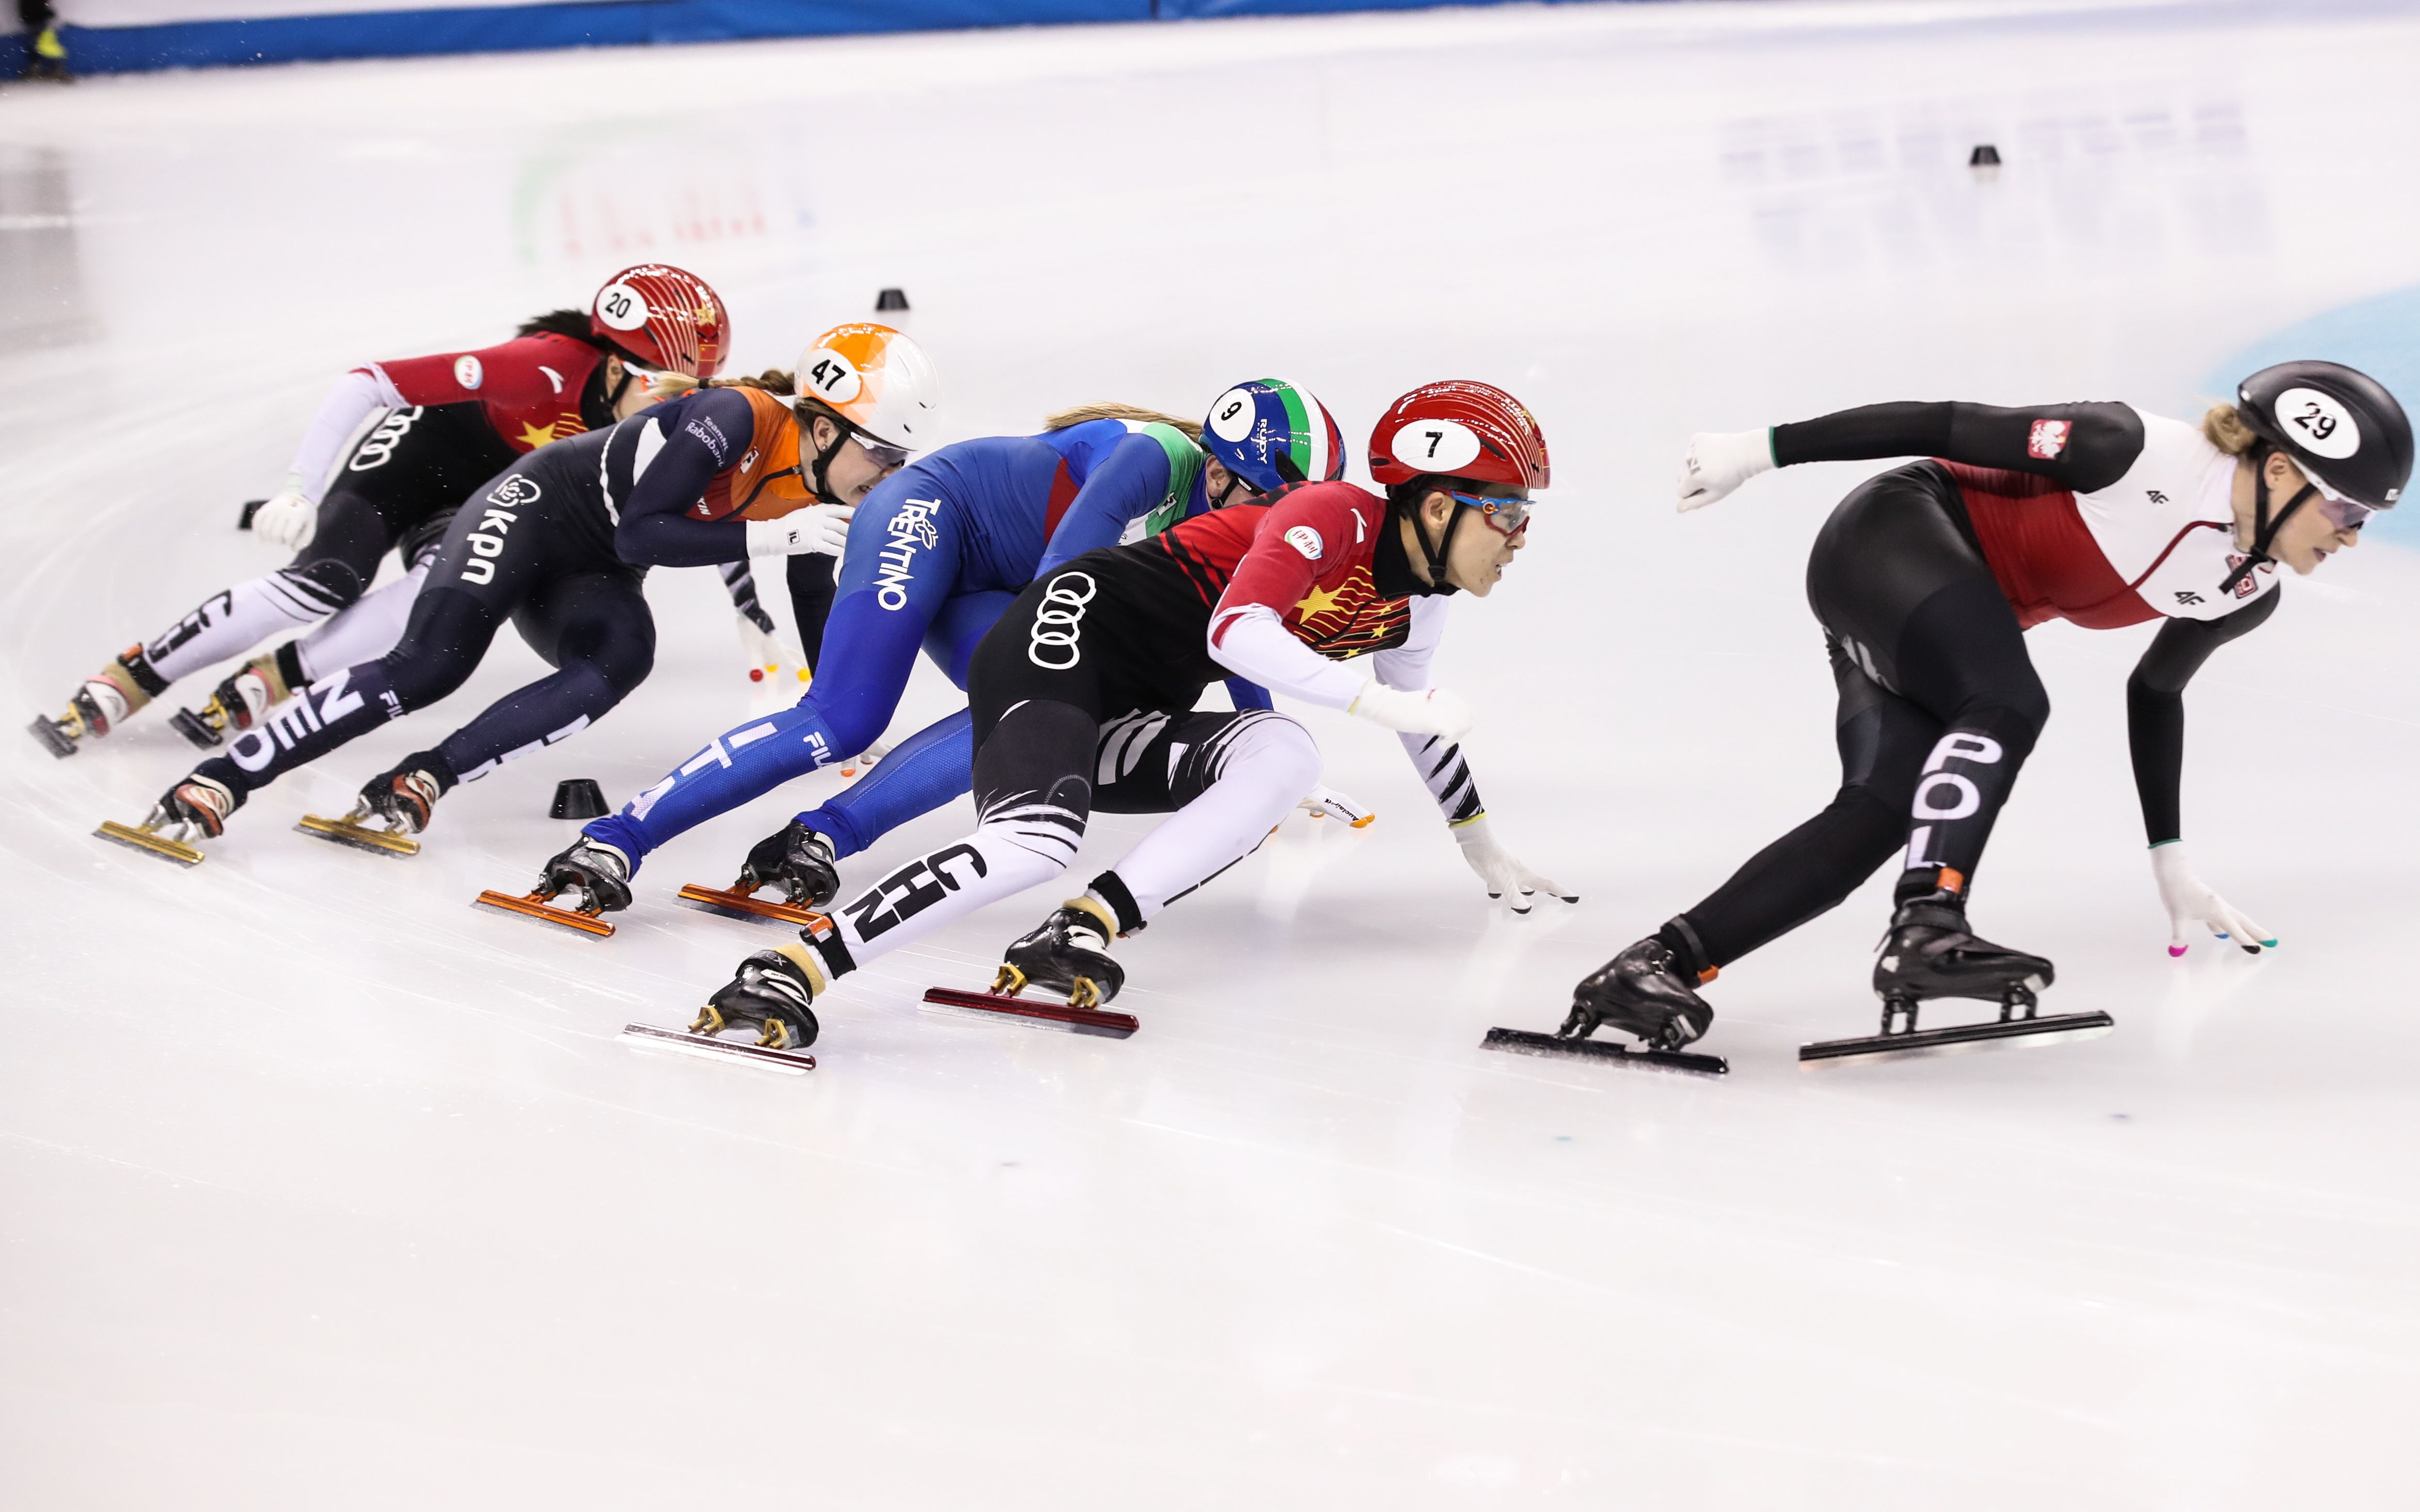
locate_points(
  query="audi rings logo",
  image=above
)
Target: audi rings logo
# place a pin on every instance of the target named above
(1059, 620)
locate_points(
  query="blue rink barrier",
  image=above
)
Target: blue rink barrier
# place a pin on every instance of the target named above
(603, 24)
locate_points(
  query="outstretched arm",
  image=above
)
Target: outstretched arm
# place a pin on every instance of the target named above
(2077, 446)
(1442, 766)
(2155, 735)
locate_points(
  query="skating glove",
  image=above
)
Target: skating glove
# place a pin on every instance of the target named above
(1507, 879)
(820, 530)
(289, 520)
(1326, 803)
(1721, 460)
(1431, 711)
(2190, 902)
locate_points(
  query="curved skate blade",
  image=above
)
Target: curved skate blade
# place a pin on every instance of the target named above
(1042, 1015)
(647, 1037)
(1998, 1033)
(1530, 1042)
(360, 837)
(533, 907)
(136, 839)
(733, 904)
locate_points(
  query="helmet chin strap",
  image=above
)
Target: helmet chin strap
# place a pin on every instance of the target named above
(841, 434)
(1436, 553)
(2265, 526)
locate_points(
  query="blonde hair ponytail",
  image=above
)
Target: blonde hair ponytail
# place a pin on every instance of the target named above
(2224, 424)
(1082, 412)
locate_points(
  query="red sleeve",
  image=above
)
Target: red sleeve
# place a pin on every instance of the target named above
(1310, 534)
(522, 374)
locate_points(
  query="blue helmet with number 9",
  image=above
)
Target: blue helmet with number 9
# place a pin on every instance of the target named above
(1270, 434)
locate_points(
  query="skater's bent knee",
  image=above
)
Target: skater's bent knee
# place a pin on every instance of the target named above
(1277, 750)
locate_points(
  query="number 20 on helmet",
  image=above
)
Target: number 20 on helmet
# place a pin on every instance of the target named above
(665, 319)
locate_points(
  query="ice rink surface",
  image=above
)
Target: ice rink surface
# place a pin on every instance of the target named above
(321, 1188)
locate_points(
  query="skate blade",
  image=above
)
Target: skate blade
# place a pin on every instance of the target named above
(54, 740)
(1530, 1042)
(1995, 1035)
(788, 1062)
(733, 904)
(360, 837)
(191, 725)
(533, 907)
(1046, 1015)
(149, 844)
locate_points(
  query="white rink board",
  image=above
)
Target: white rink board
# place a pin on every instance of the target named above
(321, 1188)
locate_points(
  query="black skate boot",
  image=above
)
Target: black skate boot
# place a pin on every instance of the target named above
(771, 992)
(1639, 992)
(1930, 953)
(799, 861)
(405, 795)
(193, 809)
(596, 871)
(1066, 955)
(236, 705)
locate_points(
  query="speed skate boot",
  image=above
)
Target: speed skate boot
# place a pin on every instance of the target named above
(106, 700)
(598, 872)
(405, 794)
(1066, 955)
(1929, 952)
(771, 992)
(1643, 991)
(799, 861)
(237, 703)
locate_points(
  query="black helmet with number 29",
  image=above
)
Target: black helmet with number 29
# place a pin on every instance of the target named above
(2340, 426)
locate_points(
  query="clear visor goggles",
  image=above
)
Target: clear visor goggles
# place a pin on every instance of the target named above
(1508, 517)
(881, 453)
(2342, 513)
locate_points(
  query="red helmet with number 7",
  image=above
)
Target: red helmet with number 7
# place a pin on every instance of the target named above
(1459, 428)
(663, 318)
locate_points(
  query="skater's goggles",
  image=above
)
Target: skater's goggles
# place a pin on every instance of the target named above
(883, 453)
(2342, 513)
(1509, 515)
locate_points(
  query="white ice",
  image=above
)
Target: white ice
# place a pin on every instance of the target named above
(321, 1188)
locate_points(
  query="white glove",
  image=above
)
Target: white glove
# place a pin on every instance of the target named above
(1721, 460)
(289, 520)
(820, 530)
(1430, 712)
(1326, 803)
(2189, 900)
(1505, 877)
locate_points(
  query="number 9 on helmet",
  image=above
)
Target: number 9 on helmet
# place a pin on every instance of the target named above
(1271, 433)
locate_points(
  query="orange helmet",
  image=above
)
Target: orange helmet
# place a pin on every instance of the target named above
(876, 379)
(665, 317)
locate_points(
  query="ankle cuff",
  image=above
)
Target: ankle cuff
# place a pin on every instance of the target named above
(1125, 913)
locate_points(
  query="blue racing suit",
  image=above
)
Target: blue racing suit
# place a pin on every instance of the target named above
(935, 555)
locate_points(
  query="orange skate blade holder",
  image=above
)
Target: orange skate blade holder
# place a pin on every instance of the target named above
(136, 837)
(360, 837)
(736, 903)
(534, 905)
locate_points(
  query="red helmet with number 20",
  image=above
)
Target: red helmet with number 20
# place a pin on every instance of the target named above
(667, 317)
(1461, 429)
